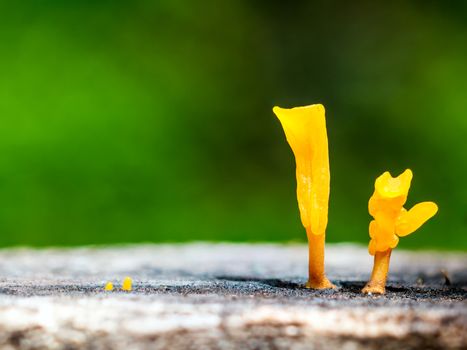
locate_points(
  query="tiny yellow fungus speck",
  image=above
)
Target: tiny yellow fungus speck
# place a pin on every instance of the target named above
(126, 284)
(109, 286)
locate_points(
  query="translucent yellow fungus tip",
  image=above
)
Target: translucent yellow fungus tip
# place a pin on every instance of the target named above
(305, 131)
(127, 284)
(109, 286)
(391, 221)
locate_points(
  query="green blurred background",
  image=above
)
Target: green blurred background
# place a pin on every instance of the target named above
(132, 121)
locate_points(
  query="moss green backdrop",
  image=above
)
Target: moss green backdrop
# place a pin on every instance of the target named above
(131, 121)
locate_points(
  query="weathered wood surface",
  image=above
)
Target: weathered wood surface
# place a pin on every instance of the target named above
(227, 296)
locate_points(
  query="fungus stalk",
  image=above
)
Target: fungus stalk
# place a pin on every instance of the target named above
(391, 221)
(317, 276)
(305, 130)
(379, 275)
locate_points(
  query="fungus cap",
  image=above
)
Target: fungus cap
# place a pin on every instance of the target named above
(305, 130)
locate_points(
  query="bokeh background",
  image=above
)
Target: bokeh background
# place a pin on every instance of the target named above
(137, 121)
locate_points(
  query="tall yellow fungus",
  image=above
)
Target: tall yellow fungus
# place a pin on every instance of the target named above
(305, 130)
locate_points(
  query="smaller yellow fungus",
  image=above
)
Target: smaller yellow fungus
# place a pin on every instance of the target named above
(126, 286)
(391, 221)
(109, 286)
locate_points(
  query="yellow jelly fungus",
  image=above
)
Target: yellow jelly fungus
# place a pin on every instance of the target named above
(109, 286)
(391, 221)
(126, 284)
(305, 130)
